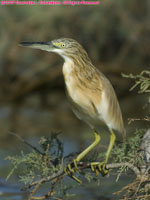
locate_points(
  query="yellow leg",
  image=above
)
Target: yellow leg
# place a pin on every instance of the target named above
(102, 165)
(87, 150)
(69, 170)
(111, 144)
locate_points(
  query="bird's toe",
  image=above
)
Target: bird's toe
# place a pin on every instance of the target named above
(102, 168)
(71, 169)
(99, 167)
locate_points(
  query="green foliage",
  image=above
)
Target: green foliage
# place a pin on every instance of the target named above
(36, 165)
(142, 80)
(126, 152)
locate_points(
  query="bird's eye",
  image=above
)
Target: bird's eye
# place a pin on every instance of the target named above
(63, 45)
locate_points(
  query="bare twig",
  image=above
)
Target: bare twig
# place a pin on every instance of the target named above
(134, 188)
(34, 190)
(25, 142)
(146, 118)
(60, 173)
(126, 164)
(45, 196)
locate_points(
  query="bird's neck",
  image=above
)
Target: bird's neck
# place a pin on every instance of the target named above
(78, 65)
(79, 72)
(68, 68)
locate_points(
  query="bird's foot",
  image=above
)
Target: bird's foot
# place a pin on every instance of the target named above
(71, 169)
(99, 167)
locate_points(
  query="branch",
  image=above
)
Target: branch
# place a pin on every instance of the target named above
(45, 196)
(126, 164)
(59, 174)
(146, 118)
(81, 166)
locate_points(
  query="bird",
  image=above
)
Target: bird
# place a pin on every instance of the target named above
(91, 96)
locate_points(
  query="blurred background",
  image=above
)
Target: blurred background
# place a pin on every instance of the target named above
(32, 93)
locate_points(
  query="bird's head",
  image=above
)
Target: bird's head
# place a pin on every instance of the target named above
(65, 47)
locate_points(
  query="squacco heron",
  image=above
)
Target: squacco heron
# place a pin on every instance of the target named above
(90, 93)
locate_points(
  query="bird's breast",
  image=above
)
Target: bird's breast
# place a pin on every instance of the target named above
(73, 87)
(84, 101)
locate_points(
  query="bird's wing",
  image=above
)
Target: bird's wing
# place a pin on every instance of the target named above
(114, 115)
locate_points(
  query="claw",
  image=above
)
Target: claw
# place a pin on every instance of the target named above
(102, 168)
(71, 169)
(93, 168)
(76, 179)
(99, 167)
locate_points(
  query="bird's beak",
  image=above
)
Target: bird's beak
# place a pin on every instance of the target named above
(47, 46)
